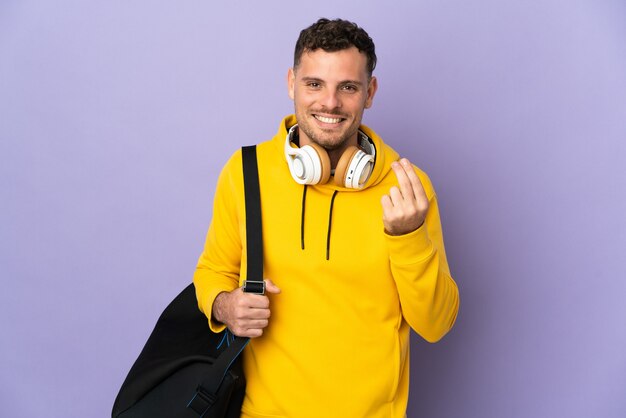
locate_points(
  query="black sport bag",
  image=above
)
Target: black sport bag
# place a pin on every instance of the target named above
(185, 370)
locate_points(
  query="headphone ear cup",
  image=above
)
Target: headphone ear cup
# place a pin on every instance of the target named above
(324, 161)
(343, 164)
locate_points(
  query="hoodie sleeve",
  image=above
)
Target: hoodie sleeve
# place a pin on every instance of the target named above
(428, 295)
(219, 264)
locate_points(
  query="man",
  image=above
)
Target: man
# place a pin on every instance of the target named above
(354, 254)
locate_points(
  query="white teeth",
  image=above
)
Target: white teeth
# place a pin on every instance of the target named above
(327, 120)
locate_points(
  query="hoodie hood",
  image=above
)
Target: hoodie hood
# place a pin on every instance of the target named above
(385, 155)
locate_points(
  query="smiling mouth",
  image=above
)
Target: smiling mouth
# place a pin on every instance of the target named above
(327, 119)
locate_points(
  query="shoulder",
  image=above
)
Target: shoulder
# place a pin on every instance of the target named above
(231, 175)
(233, 169)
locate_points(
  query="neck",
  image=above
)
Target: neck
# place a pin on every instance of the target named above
(333, 154)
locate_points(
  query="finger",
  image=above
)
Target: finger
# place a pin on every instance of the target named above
(396, 196)
(271, 287)
(255, 324)
(403, 180)
(253, 333)
(254, 313)
(247, 332)
(416, 183)
(255, 301)
(387, 204)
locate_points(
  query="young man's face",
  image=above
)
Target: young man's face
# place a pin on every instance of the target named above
(330, 91)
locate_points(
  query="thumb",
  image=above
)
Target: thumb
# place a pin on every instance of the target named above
(271, 287)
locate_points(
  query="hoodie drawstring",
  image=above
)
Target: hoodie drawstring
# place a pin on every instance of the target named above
(330, 220)
(302, 218)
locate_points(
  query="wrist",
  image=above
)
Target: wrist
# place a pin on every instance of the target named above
(396, 232)
(217, 312)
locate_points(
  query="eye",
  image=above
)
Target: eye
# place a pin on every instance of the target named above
(349, 88)
(313, 84)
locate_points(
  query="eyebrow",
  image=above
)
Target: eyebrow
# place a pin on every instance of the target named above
(305, 79)
(312, 79)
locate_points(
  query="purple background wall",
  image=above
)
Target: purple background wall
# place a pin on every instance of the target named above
(115, 118)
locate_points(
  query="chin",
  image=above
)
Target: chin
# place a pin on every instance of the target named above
(336, 144)
(330, 143)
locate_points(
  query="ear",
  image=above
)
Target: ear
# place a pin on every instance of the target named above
(291, 81)
(371, 91)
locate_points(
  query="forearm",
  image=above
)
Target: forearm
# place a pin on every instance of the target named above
(428, 295)
(219, 264)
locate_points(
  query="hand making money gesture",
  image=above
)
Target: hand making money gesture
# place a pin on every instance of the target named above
(406, 205)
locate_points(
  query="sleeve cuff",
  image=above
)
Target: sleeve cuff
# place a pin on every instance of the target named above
(410, 248)
(207, 308)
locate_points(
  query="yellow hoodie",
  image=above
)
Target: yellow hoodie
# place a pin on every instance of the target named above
(337, 344)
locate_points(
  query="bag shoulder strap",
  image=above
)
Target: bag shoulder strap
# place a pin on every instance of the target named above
(254, 229)
(207, 390)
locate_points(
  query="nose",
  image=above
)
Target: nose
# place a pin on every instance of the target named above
(330, 99)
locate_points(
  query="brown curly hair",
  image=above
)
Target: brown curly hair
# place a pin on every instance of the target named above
(335, 35)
